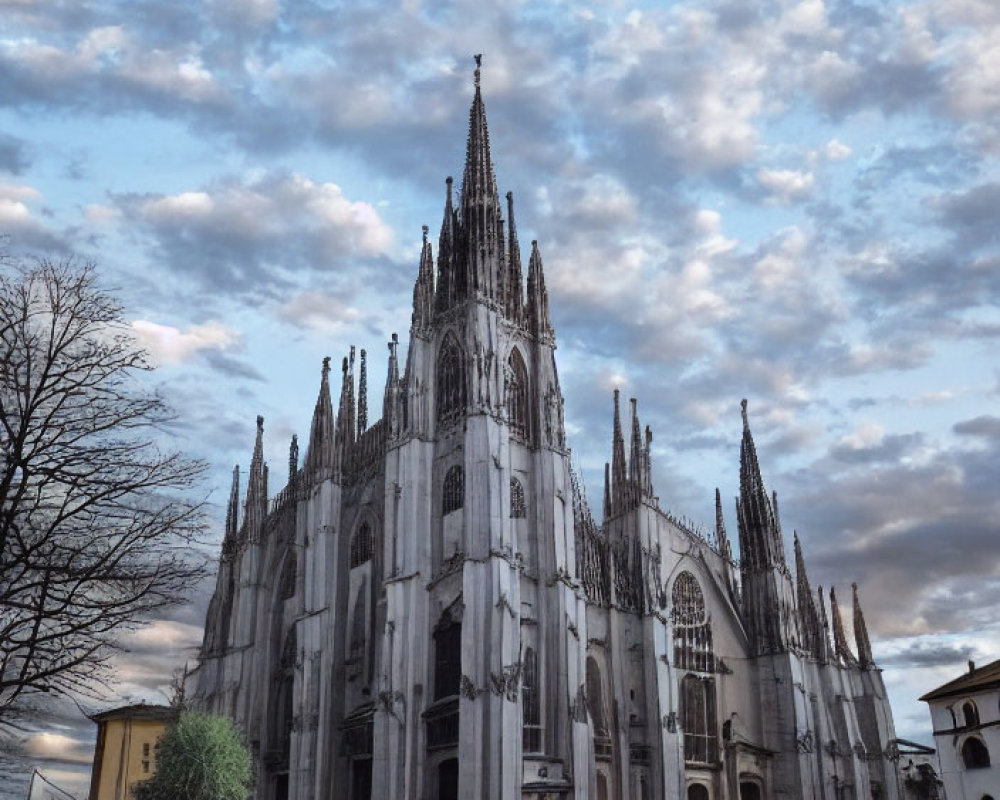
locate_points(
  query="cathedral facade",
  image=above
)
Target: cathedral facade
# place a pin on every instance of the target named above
(429, 611)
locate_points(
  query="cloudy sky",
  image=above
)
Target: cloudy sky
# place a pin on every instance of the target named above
(793, 202)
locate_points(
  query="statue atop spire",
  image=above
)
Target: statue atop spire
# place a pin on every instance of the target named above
(319, 453)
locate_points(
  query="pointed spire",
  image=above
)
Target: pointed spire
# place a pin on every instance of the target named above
(363, 394)
(232, 514)
(824, 625)
(811, 626)
(607, 490)
(449, 287)
(480, 204)
(293, 458)
(760, 536)
(864, 644)
(635, 459)
(841, 648)
(423, 289)
(255, 508)
(390, 400)
(618, 468)
(721, 536)
(513, 292)
(648, 466)
(319, 454)
(538, 297)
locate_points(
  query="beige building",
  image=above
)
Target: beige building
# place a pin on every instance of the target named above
(965, 714)
(429, 611)
(126, 748)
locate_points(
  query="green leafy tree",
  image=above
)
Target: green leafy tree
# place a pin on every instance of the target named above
(200, 757)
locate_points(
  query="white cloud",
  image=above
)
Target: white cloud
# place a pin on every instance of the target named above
(58, 746)
(785, 186)
(836, 151)
(169, 345)
(319, 311)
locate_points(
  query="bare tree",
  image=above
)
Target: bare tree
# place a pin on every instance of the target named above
(95, 521)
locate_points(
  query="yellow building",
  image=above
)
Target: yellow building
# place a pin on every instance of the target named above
(126, 748)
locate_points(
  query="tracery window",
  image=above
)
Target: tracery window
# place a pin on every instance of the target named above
(518, 509)
(361, 545)
(530, 711)
(698, 720)
(283, 707)
(517, 396)
(974, 754)
(595, 704)
(453, 491)
(692, 630)
(450, 381)
(447, 657)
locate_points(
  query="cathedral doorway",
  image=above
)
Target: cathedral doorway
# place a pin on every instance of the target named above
(447, 779)
(361, 779)
(281, 786)
(697, 791)
(749, 791)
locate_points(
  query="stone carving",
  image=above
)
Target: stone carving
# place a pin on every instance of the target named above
(468, 689)
(507, 683)
(804, 741)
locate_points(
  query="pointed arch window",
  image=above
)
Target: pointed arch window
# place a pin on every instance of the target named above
(595, 705)
(517, 396)
(283, 705)
(518, 509)
(453, 491)
(530, 707)
(693, 648)
(361, 545)
(698, 720)
(450, 387)
(970, 713)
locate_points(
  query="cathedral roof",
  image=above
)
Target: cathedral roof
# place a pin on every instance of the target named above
(974, 680)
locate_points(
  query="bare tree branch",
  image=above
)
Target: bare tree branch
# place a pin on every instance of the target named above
(94, 516)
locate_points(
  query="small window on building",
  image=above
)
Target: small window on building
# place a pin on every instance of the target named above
(518, 509)
(361, 545)
(974, 754)
(145, 749)
(145, 767)
(453, 492)
(971, 713)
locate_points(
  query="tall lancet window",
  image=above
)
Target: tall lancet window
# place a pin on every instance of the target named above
(447, 656)
(453, 491)
(517, 396)
(450, 381)
(692, 630)
(530, 709)
(701, 743)
(595, 705)
(356, 645)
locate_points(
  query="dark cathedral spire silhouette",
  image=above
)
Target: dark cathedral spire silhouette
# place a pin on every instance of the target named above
(429, 611)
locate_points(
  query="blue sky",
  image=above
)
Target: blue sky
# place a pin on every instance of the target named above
(793, 202)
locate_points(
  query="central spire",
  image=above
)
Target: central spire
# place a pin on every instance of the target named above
(480, 214)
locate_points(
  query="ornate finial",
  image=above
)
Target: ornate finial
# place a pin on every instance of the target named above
(343, 365)
(479, 66)
(326, 366)
(260, 422)
(743, 408)
(425, 229)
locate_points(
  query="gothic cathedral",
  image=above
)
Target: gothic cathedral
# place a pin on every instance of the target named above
(429, 611)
